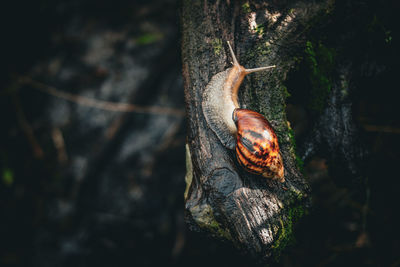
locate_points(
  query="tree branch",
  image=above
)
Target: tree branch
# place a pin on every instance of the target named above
(254, 213)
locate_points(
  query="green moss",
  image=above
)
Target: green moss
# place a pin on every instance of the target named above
(260, 30)
(204, 217)
(8, 177)
(246, 7)
(261, 49)
(216, 228)
(285, 233)
(377, 29)
(149, 38)
(217, 45)
(319, 60)
(285, 91)
(388, 38)
(299, 161)
(291, 138)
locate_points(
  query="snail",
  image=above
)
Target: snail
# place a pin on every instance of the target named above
(247, 132)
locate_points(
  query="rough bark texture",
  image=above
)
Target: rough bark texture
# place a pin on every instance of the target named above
(256, 214)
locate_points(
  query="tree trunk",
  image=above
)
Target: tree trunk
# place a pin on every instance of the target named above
(255, 213)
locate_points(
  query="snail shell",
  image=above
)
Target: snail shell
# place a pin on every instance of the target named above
(246, 131)
(257, 148)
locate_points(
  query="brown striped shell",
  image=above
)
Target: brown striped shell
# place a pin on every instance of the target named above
(257, 148)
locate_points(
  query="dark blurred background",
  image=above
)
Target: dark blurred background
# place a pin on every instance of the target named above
(86, 180)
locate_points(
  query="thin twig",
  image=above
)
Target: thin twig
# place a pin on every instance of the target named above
(115, 125)
(381, 128)
(26, 128)
(59, 143)
(100, 104)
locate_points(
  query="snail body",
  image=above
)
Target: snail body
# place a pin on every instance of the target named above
(247, 132)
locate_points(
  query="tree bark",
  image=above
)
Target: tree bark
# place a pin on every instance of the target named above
(255, 214)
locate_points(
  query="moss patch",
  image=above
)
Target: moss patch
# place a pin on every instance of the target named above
(7, 177)
(284, 238)
(246, 7)
(204, 217)
(299, 161)
(260, 30)
(319, 60)
(310, 82)
(149, 38)
(285, 233)
(217, 46)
